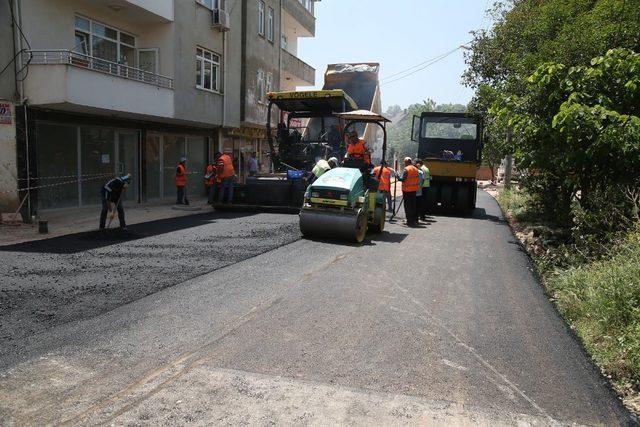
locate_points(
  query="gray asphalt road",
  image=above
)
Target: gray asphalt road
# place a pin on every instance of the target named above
(445, 324)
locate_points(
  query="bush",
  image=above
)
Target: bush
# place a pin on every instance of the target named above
(602, 300)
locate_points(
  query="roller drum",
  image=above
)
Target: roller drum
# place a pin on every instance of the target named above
(331, 225)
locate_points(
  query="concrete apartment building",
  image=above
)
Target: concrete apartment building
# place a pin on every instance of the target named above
(104, 87)
(270, 63)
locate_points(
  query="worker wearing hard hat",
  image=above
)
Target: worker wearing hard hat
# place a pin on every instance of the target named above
(227, 173)
(383, 173)
(357, 148)
(321, 167)
(181, 182)
(410, 184)
(111, 194)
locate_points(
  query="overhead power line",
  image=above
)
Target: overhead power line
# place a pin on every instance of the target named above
(417, 68)
(389, 77)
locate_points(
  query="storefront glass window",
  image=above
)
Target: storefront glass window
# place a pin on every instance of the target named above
(97, 160)
(57, 164)
(197, 158)
(128, 162)
(172, 149)
(152, 163)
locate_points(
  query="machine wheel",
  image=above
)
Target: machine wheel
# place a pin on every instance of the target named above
(361, 228)
(462, 202)
(380, 218)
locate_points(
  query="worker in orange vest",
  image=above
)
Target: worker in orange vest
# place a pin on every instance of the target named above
(181, 182)
(210, 181)
(357, 148)
(226, 172)
(383, 173)
(410, 184)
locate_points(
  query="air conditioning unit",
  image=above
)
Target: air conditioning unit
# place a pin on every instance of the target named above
(221, 20)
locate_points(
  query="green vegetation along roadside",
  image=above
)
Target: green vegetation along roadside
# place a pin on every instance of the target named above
(595, 286)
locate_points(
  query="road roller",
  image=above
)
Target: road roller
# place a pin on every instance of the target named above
(344, 203)
(451, 146)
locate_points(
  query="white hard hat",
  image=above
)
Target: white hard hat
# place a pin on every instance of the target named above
(408, 159)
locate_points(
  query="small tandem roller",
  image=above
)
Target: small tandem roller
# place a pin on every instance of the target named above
(345, 202)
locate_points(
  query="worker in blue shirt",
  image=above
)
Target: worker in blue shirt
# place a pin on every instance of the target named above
(111, 195)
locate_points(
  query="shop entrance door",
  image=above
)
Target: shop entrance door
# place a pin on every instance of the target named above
(127, 162)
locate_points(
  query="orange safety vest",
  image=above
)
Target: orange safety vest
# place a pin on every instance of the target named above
(359, 151)
(181, 176)
(412, 181)
(225, 165)
(210, 171)
(385, 178)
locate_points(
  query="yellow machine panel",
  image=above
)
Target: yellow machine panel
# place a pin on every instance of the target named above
(321, 201)
(452, 169)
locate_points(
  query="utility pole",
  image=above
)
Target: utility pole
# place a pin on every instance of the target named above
(508, 167)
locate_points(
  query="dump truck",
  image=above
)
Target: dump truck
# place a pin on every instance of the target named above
(360, 82)
(451, 146)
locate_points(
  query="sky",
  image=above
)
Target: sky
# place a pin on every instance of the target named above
(398, 34)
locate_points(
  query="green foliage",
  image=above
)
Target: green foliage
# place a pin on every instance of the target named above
(602, 300)
(528, 33)
(558, 82)
(577, 131)
(518, 204)
(399, 133)
(494, 138)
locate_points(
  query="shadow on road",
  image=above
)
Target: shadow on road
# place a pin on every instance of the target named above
(80, 242)
(481, 213)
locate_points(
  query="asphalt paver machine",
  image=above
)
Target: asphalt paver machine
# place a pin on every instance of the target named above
(344, 203)
(294, 148)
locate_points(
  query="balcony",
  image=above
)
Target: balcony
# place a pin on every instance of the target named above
(143, 11)
(301, 15)
(70, 79)
(296, 71)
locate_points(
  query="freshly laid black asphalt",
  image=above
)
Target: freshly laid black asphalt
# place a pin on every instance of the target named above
(53, 281)
(443, 324)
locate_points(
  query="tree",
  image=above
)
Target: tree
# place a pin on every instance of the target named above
(573, 118)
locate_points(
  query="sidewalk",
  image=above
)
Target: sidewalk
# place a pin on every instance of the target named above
(76, 220)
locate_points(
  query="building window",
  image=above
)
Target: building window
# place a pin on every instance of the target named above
(270, 24)
(101, 41)
(260, 86)
(207, 70)
(308, 4)
(269, 84)
(261, 17)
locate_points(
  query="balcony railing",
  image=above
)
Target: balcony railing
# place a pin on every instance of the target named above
(62, 56)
